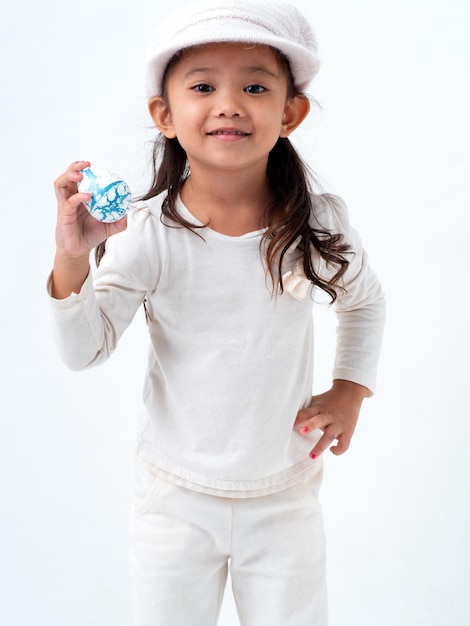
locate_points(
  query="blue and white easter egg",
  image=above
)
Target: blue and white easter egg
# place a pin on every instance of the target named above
(110, 195)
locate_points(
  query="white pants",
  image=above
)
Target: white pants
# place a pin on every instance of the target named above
(183, 542)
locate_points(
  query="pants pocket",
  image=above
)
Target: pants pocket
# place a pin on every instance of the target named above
(309, 488)
(147, 486)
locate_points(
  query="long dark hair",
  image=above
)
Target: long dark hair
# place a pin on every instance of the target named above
(288, 216)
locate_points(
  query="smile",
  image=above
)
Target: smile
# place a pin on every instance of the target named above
(237, 133)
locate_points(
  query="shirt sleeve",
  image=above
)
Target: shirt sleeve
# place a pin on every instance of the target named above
(87, 326)
(360, 309)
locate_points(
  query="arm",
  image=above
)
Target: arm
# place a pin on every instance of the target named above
(88, 320)
(360, 310)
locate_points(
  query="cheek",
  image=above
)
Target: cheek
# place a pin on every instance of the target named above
(271, 117)
(272, 126)
(186, 117)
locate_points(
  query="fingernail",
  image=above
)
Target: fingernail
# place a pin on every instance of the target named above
(304, 429)
(312, 456)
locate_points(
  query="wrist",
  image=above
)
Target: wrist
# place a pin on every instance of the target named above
(355, 390)
(64, 257)
(68, 275)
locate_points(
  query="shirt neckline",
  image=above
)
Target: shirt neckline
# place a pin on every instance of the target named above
(186, 213)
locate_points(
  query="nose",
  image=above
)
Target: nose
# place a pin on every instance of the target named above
(228, 104)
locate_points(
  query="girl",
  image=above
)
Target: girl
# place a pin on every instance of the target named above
(225, 252)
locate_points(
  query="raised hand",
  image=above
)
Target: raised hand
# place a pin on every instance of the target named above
(77, 232)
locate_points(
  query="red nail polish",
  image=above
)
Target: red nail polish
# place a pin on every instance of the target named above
(312, 456)
(304, 429)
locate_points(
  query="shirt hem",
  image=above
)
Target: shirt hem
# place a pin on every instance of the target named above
(171, 472)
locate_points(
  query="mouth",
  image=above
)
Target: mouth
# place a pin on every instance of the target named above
(228, 132)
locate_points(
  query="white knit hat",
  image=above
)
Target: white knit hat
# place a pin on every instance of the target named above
(265, 22)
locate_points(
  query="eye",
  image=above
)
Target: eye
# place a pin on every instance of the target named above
(255, 89)
(203, 88)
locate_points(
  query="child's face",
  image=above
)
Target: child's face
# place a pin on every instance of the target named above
(228, 105)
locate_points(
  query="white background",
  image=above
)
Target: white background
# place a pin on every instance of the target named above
(392, 138)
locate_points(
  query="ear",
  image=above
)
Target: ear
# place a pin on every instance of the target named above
(295, 112)
(160, 113)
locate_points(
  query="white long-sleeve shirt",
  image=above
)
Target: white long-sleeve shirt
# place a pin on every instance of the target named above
(229, 364)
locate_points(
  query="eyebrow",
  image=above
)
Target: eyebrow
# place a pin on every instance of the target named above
(255, 69)
(262, 70)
